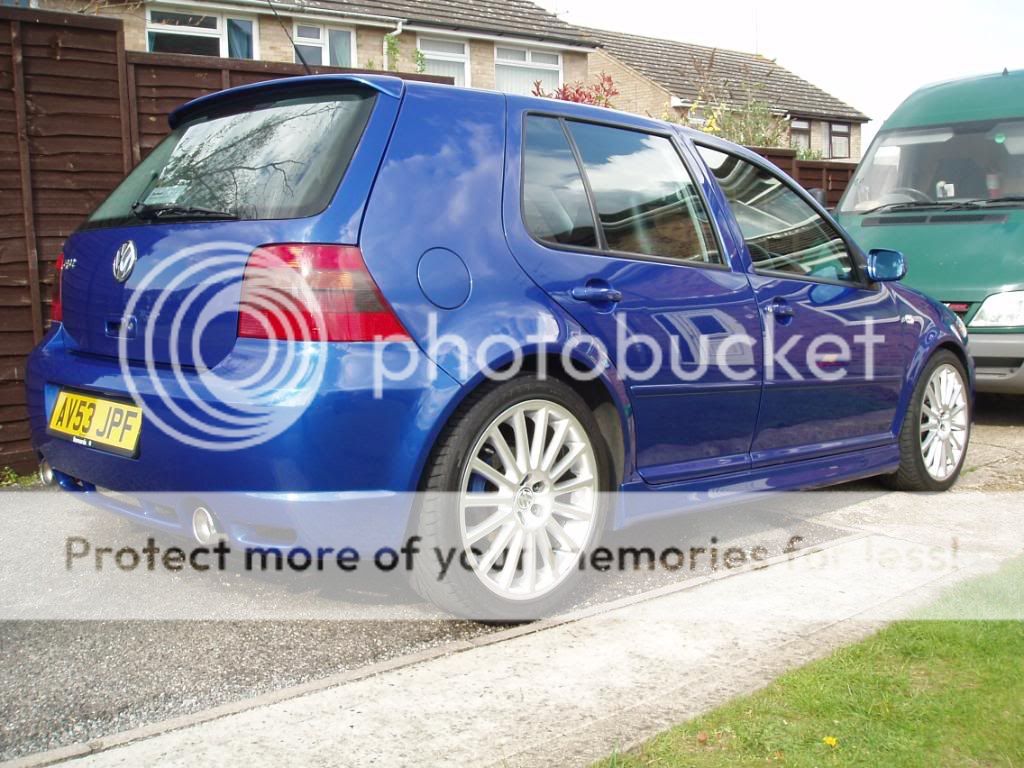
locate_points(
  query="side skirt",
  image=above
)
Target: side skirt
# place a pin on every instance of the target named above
(639, 501)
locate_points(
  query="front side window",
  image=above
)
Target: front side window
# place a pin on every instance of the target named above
(646, 201)
(323, 46)
(278, 161)
(782, 231)
(516, 70)
(201, 34)
(445, 58)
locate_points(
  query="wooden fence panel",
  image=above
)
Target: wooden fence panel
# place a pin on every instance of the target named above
(832, 176)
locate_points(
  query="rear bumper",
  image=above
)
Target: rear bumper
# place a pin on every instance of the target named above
(361, 520)
(334, 471)
(999, 362)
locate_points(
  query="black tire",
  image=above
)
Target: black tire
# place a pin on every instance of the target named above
(913, 475)
(461, 591)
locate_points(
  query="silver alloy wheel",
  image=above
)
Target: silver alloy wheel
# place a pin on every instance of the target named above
(528, 499)
(944, 425)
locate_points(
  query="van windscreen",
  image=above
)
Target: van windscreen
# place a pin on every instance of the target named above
(940, 165)
(278, 160)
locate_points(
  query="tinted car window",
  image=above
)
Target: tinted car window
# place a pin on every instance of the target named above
(783, 232)
(277, 161)
(645, 199)
(555, 204)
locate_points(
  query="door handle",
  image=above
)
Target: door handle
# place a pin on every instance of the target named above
(596, 294)
(780, 308)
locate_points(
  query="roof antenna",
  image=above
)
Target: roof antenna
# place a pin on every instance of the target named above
(288, 34)
(757, 41)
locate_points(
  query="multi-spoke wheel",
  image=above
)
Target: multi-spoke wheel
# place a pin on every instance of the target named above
(528, 499)
(944, 422)
(937, 427)
(515, 491)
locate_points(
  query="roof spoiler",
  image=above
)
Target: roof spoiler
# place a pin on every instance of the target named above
(383, 84)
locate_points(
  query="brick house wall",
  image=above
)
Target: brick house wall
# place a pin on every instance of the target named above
(637, 94)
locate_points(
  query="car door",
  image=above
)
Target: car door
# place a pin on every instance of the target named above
(834, 349)
(611, 224)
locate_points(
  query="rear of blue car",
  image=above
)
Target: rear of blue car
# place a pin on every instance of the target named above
(248, 191)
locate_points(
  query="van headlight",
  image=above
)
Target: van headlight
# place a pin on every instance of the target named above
(1000, 310)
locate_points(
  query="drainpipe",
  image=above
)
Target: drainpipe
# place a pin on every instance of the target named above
(384, 45)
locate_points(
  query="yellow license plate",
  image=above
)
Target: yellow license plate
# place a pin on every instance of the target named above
(97, 423)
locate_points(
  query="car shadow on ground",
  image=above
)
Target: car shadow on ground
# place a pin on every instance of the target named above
(999, 410)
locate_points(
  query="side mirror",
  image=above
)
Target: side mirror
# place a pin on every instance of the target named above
(819, 195)
(885, 266)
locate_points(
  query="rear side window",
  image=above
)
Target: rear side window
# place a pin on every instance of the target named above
(783, 233)
(555, 204)
(645, 198)
(280, 160)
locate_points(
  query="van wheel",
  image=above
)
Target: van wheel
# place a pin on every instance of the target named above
(515, 491)
(936, 429)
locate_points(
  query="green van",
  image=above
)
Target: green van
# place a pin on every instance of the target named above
(943, 181)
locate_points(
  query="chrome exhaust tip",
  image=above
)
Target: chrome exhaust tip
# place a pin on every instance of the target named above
(204, 526)
(46, 476)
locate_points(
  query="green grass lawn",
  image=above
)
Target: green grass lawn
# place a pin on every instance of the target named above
(920, 693)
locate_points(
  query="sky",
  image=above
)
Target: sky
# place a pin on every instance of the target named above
(868, 53)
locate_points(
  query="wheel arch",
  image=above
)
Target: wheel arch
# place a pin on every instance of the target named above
(602, 391)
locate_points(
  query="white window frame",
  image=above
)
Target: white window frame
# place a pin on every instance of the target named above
(463, 59)
(800, 126)
(324, 43)
(530, 63)
(221, 32)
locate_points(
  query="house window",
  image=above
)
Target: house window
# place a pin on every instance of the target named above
(201, 34)
(839, 140)
(517, 69)
(800, 134)
(324, 45)
(445, 58)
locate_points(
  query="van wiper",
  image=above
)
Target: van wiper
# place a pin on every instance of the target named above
(984, 202)
(903, 206)
(166, 212)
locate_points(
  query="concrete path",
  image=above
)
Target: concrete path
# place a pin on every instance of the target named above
(576, 691)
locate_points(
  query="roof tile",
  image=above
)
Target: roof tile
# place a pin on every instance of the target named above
(675, 66)
(515, 18)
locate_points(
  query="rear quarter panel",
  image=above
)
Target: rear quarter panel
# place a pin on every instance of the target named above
(441, 187)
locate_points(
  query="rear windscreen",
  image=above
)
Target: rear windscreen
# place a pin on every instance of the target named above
(277, 160)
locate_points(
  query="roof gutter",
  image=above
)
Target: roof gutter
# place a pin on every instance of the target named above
(298, 9)
(463, 33)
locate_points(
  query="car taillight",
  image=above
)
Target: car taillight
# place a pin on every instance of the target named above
(315, 293)
(56, 307)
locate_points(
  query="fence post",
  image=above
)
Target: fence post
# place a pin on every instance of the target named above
(125, 104)
(25, 169)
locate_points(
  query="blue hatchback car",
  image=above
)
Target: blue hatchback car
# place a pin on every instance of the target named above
(320, 293)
